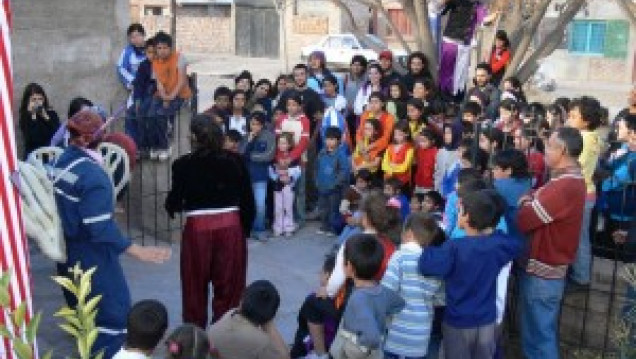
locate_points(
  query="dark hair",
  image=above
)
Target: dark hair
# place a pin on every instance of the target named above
(468, 174)
(403, 126)
(559, 112)
(333, 132)
(136, 27)
(590, 110)
(329, 264)
(630, 122)
(296, 97)
(503, 36)
(471, 185)
(482, 209)
(375, 65)
(188, 342)
(222, 91)
(404, 93)
(265, 82)
(274, 91)
(234, 135)
(260, 302)
(477, 157)
(564, 102)
(571, 138)
(331, 79)
(289, 137)
(423, 226)
(258, 116)
(532, 135)
(147, 323)
(417, 103)
(493, 134)
(377, 126)
(77, 104)
(150, 43)
(207, 134)
(365, 253)
(163, 38)
(394, 183)
(473, 108)
(513, 159)
(381, 217)
(33, 89)
(431, 136)
(361, 59)
(300, 67)
(379, 95)
(517, 87)
(364, 174)
(484, 66)
(425, 64)
(237, 92)
(436, 197)
(245, 74)
(510, 105)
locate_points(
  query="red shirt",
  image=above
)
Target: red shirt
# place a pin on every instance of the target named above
(389, 248)
(536, 162)
(299, 128)
(425, 159)
(499, 60)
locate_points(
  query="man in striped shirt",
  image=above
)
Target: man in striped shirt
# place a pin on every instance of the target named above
(551, 218)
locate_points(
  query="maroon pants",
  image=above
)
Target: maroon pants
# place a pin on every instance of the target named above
(213, 250)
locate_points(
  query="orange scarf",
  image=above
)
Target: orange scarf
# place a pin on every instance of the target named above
(398, 156)
(167, 73)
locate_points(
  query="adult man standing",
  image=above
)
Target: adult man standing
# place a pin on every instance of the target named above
(551, 218)
(84, 197)
(389, 74)
(485, 89)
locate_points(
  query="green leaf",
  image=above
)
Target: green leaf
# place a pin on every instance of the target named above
(32, 327)
(90, 338)
(4, 332)
(18, 315)
(5, 278)
(69, 329)
(99, 355)
(47, 355)
(81, 348)
(91, 304)
(5, 300)
(65, 312)
(66, 284)
(22, 349)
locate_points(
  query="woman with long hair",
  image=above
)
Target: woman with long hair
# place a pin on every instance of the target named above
(38, 122)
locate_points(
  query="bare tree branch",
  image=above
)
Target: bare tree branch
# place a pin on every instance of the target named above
(393, 27)
(354, 26)
(629, 8)
(514, 17)
(408, 7)
(426, 37)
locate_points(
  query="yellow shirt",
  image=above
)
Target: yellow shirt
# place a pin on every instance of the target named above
(589, 157)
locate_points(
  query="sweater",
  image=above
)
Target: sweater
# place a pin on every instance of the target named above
(258, 153)
(386, 124)
(470, 266)
(552, 220)
(128, 64)
(618, 196)
(38, 133)
(425, 160)
(589, 158)
(511, 190)
(332, 171)
(143, 84)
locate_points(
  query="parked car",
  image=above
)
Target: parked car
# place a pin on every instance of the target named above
(340, 48)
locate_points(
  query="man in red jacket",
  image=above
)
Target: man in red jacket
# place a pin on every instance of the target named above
(551, 217)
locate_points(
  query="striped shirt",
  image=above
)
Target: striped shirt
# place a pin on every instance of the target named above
(410, 329)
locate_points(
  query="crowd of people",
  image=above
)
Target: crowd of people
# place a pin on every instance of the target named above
(438, 198)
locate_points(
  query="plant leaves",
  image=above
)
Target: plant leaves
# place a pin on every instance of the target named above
(47, 355)
(90, 339)
(91, 304)
(22, 349)
(5, 300)
(18, 316)
(4, 332)
(32, 327)
(65, 312)
(69, 329)
(66, 284)
(81, 348)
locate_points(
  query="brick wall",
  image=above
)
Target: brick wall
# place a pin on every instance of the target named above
(204, 28)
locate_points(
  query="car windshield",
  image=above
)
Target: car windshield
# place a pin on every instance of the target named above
(371, 41)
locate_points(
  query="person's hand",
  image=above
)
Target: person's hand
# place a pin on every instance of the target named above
(619, 236)
(151, 254)
(321, 292)
(524, 199)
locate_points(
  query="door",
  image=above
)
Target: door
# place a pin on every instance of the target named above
(257, 32)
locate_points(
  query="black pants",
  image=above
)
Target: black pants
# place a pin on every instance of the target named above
(314, 310)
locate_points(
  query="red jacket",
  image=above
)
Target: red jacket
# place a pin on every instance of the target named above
(552, 220)
(299, 128)
(536, 163)
(425, 160)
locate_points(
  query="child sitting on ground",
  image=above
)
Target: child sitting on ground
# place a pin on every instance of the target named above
(364, 320)
(470, 266)
(147, 323)
(350, 204)
(317, 320)
(410, 329)
(188, 342)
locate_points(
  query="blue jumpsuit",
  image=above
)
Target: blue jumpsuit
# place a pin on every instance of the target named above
(84, 197)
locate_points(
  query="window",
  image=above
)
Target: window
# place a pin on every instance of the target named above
(587, 37)
(153, 10)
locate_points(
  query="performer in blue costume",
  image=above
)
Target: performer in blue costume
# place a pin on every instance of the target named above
(84, 197)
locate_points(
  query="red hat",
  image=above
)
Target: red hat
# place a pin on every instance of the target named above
(386, 54)
(85, 123)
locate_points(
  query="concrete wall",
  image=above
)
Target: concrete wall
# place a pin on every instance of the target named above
(70, 47)
(204, 29)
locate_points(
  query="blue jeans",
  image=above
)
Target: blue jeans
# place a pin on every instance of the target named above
(260, 194)
(156, 123)
(539, 307)
(582, 266)
(434, 345)
(328, 204)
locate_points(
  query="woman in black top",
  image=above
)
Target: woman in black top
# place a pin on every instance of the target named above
(38, 122)
(212, 187)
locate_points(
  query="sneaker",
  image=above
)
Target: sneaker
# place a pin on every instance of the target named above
(153, 155)
(321, 232)
(313, 355)
(163, 156)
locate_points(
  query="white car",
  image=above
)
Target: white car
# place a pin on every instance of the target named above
(340, 48)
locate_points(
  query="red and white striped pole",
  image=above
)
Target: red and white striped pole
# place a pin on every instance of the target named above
(13, 247)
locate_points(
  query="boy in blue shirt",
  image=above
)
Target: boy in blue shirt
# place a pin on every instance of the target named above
(470, 266)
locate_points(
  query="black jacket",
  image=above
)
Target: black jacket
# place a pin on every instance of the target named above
(38, 132)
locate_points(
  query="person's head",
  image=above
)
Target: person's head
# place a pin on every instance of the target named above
(85, 129)
(510, 163)
(363, 255)
(432, 202)
(376, 102)
(215, 117)
(417, 63)
(285, 141)
(363, 179)
(491, 139)
(317, 61)
(483, 72)
(415, 109)
(290, 82)
(263, 88)
(501, 40)
(556, 115)
(330, 85)
(78, 104)
(426, 139)
(401, 132)
(397, 90)
(332, 138)
(327, 268)
(472, 112)
(626, 129)
(374, 73)
(512, 84)
(526, 138)
(147, 323)
(451, 135)
(358, 65)
(474, 157)
(416, 202)
(238, 100)
(257, 122)
(377, 214)
(508, 110)
(163, 45)
(244, 81)
(188, 342)
(232, 141)
(34, 94)
(136, 34)
(372, 129)
(421, 228)
(300, 75)
(150, 48)
(585, 113)
(280, 85)
(386, 60)
(222, 96)
(479, 210)
(294, 104)
(205, 134)
(563, 148)
(393, 187)
(260, 302)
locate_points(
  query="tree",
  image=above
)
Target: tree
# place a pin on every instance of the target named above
(520, 19)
